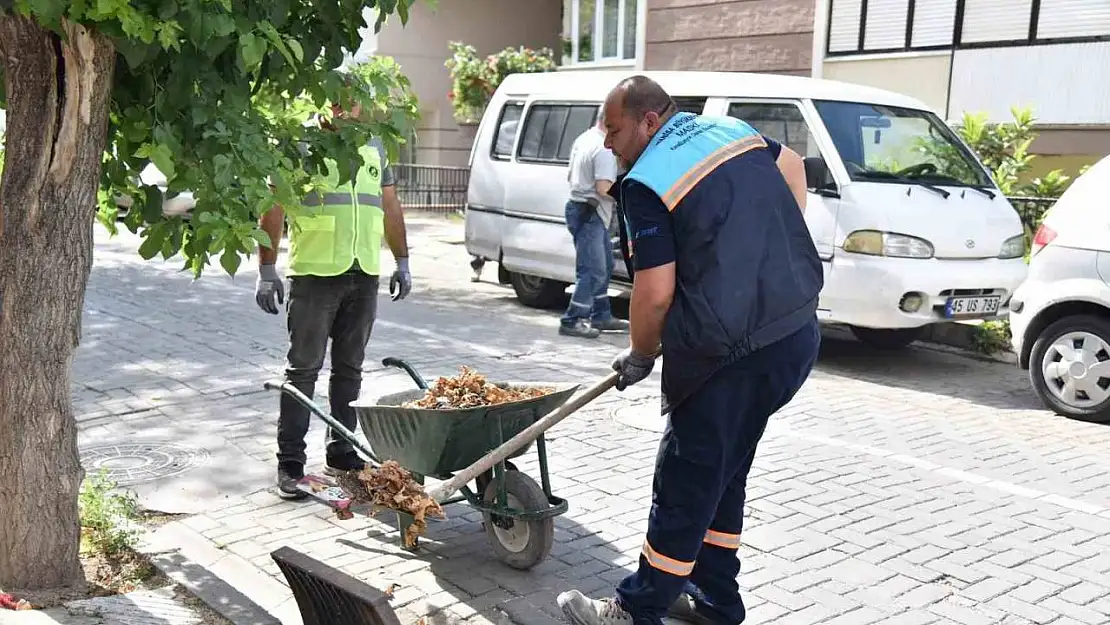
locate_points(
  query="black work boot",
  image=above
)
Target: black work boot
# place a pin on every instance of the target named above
(612, 324)
(343, 464)
(288, 474)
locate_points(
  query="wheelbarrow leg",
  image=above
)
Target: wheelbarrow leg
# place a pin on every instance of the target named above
(405, 520)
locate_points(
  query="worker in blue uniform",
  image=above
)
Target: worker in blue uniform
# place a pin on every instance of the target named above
(725, 288)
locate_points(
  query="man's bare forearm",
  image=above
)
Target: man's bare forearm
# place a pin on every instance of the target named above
(395, 235)
(272, 223)
(794, 171)
(652, 294)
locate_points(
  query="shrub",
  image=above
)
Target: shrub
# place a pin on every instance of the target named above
(473, 80)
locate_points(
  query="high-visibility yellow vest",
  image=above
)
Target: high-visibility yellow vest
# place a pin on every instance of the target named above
(342, 224)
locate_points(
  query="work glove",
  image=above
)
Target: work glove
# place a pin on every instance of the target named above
(269, 291)
(632, 367)
(401, 282)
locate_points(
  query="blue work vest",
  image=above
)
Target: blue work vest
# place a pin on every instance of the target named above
(747, 271)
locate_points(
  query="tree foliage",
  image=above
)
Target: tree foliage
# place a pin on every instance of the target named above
(216, 94)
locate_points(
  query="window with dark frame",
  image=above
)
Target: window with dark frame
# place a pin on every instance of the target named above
(507, 127)
(887, 26)
(550, 131)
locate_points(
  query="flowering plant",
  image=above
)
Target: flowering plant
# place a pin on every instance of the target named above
(473, 79)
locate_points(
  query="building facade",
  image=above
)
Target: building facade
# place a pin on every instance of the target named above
(983, 56)
(955, 55)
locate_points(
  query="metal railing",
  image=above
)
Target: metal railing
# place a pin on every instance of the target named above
(436, 188)
(1031, 209)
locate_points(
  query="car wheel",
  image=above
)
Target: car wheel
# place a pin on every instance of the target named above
(886, 339)
(1069, 368)
(536, 292)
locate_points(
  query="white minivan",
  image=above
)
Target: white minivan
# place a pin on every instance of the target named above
(909, 226)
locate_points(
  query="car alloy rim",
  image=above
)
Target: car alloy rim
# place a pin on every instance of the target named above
(1076, 369)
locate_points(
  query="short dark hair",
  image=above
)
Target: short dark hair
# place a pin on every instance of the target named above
(643, 95)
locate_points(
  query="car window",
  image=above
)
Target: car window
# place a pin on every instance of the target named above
(782, 122)
(550, 131)
(507, 127)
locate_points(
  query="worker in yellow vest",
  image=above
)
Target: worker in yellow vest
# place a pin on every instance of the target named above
(334, 250)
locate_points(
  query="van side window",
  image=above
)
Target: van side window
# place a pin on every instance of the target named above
(507, 127)
(550, 131)
(782, 122)
(690, 104)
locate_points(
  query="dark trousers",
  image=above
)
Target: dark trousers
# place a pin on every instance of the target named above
(343, 309)
(701, 472)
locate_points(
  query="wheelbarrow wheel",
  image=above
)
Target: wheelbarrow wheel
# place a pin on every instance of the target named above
(519, 544)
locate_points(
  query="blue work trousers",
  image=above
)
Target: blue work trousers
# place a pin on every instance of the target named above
(593, 265)
(697, 508)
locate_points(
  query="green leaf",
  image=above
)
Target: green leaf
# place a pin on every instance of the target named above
(296, 49)
(252, 50)
(153, 243)
(162, 158)
(261, 237)
(230, 261)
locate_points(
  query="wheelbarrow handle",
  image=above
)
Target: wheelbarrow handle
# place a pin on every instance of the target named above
(527, 435)
(332, 422)
(390, 361)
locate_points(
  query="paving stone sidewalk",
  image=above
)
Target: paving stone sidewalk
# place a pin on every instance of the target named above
(913, 488)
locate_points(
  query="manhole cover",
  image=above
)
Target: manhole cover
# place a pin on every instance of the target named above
(641, 417)
(135, 463)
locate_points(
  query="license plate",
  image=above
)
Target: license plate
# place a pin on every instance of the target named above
(972, 306)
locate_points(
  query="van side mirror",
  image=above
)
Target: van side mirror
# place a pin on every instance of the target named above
(818, 179)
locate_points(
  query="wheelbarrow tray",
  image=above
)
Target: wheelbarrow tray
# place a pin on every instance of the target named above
(437, 443)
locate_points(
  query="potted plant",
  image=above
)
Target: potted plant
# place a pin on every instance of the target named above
(474, 79)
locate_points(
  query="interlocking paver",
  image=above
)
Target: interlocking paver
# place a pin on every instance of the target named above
(914, 488)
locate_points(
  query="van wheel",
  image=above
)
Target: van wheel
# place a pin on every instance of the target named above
(1069, 368)
(886, 339)
(536, 292)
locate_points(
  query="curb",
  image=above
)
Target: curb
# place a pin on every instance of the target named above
(961, 335)
(227, 583)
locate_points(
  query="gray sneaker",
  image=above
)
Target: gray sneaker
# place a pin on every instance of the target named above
(580, 329)
(684, 609)
(581, 610)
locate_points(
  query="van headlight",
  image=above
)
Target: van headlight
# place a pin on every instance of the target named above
(875, 243)
(1014, 247)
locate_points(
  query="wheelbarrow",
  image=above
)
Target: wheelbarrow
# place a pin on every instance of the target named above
(460, 445)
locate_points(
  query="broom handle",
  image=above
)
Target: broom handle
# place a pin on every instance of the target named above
(527, 435)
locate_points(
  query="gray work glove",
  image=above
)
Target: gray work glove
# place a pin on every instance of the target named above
(401, 282)
(632, 367)
(268, 286)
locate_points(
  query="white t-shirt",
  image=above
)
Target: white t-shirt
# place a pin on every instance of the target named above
(591, 161)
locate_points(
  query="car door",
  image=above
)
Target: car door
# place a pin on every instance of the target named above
(785, 122)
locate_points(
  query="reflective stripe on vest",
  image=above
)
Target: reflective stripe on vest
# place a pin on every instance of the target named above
(342, 199)
(341, 224)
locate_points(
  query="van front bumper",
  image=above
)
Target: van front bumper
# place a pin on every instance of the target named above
(875, 292)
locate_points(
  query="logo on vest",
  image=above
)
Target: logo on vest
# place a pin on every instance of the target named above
(374, 172)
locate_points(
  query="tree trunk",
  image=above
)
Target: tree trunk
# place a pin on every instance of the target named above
(58, 95)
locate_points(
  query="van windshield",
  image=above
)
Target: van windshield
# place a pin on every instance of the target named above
(892, 144)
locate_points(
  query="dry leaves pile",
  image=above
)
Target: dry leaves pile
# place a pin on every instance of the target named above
(391, 486)
(470, 389)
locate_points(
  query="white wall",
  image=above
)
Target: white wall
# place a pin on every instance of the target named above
(1065, 84)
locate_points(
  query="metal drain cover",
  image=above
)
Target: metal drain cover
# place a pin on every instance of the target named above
(136, 463)
(641, 416)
